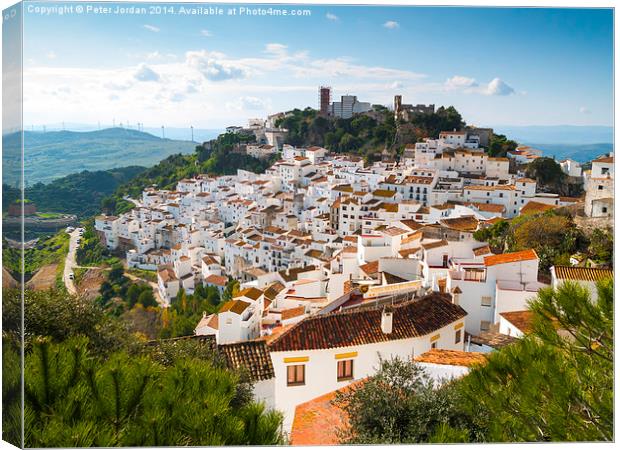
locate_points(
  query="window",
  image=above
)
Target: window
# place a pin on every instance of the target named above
(485, 325)
(600, 187)
(457, 336)
(345, 370)
(604, 210)
(296, 375)
(486, 300)
(229, 321)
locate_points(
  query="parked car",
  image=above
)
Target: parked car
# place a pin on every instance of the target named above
(71, 276)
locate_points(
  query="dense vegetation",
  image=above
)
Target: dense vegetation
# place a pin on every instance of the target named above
(500, 145)
(50, 250)
(91, 252)
(553, 235)
(366, 135)
(78, 193)
(90, 382)
(555, 384)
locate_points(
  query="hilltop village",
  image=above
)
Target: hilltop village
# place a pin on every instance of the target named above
(340, 261)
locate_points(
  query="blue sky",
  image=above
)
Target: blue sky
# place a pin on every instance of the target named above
(501, 66)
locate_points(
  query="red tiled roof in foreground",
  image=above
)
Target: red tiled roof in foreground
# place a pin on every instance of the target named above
(345, 329)
(318, 421)
(520, 319)
(452, 357)
(504, 258)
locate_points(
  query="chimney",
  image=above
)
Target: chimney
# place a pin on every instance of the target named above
(386, 320)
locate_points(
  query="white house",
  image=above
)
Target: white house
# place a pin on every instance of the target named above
(585, 276)
(323, 353)
(599, 186)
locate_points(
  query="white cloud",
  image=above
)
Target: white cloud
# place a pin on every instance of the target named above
(332, 17)
(584, 110)
(51, 55)
(391, 25)
(206, 33)
(460, 82)
(278, 50)
(151, 28)
(205, 86)
(498, 87)
(249, 103)
(214, 66)
(145, 73)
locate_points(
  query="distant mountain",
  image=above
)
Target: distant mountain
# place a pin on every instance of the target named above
(558, 134)
(78, 193)
(580, 153)
(178, 133)
(52, 155)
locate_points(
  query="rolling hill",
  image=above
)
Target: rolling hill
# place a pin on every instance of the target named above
(52, 155)
(79, 193)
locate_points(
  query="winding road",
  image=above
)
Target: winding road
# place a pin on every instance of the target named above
(70, 263)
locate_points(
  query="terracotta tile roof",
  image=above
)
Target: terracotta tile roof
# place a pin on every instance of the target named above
(235, 306)
(520, 319)
(293, 312)
(394, 231)
(293, 273)
(217, 280)
(384, 193)
(250, 292)
(533, 207)
(487, 207)
(273, 289)
(484, 250)
(582, 273)
(452, 357)
(350, 328)
(210, 321)
(319, 421)
(250, 355)
(409, 251)
(436, 244)
(389, 207)
(464, 223)
(606, 159)
(494, 340)
(411, 224)
(371, 268)
(504, 258)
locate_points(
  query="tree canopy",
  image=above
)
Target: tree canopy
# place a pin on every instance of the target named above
(554, 384)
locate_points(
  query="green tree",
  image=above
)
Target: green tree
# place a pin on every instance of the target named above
(556, 384)
(601, 246)
(548, 175)
(399, 404)
(146, 297)
(75, 399)
(500, 145)
(231, 290)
